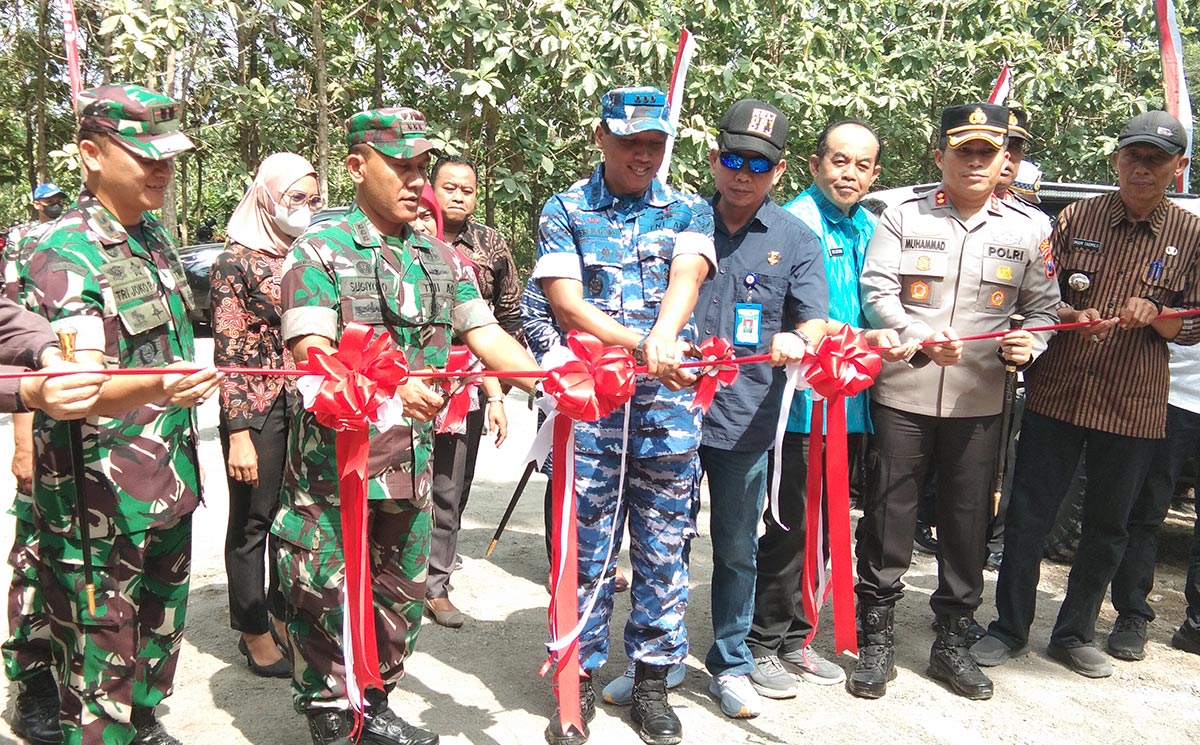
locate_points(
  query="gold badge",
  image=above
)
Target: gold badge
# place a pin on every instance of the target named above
(1004, 272)
(977, 117)
(940, 198)
(1012, 119)
(923, 263)
(918, 291)
(997, 298)
(773, 257)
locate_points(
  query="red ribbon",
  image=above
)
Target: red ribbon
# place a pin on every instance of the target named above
(598, 381)
(841, 366)
(715, 349)
(357, 381)
(458, 366)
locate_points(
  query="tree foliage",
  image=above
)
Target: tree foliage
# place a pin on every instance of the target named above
(515, 83)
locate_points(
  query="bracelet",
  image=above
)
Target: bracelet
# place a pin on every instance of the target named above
(495, 399)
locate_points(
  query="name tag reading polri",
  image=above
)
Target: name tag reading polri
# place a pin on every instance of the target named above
(747, 324)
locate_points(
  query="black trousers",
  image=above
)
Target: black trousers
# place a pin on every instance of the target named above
(1135, 575)
(1047, 454)
(252, 573)
(453, 472)
(904, 447)
(779, 624)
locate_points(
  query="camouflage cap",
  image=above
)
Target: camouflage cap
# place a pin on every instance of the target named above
(396, 132)
(143, 122)
(628, 111)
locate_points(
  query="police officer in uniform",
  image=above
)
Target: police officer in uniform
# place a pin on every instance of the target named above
(953, 262)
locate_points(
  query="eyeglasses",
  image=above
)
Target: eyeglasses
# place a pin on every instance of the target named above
(734, 162)
(294, 199)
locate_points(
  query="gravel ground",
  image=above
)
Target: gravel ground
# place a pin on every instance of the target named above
(479, 684)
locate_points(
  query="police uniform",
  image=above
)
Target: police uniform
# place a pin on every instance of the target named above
(928, 268)
(125, 293)
(414, 289)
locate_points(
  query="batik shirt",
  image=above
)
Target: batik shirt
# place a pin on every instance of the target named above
(844, 239)
(123, 291)
(412, 288)
(621, 249)
(496, 273)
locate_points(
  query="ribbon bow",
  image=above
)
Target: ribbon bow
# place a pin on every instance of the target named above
(357, 383)
(594, 382)
(716, 376)
(461, 362)
(842, 364)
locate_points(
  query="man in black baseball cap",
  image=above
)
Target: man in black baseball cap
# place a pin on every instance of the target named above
(1156, 128)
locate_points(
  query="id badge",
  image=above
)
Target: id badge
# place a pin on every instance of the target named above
(747, 324)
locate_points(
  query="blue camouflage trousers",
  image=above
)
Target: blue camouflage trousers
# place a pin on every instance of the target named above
(660, 501)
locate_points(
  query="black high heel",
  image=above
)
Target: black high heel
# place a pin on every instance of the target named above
(279, 669)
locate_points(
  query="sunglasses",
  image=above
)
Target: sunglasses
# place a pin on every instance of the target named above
(294, 199)
(734, 162)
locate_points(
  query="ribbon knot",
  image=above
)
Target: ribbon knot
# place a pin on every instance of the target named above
(714, 349)
(842, 365)
(358, 381)
(593, 380)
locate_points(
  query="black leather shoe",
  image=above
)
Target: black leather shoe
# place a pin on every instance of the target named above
(950, 661)
(33, 715)
(876, 653)
(924, 539)
(384, 726)
(149, 730)
(587, 711)
(651, 712)
(330, 727)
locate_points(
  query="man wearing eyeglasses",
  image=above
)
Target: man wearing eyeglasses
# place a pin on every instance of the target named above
(370, 267)
(622, 256)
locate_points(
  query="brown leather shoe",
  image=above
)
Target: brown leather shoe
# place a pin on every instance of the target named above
(443, 613)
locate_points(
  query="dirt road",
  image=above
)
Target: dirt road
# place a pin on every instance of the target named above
(479, 684)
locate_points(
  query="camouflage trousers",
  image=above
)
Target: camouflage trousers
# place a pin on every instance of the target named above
(27, 648)
(312, 578)
(661, 500)
(125, 655)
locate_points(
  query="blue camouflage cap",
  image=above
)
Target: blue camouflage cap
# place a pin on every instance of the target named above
(628, 111)
(46, 190)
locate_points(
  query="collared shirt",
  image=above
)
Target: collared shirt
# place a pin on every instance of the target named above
(928, 268)
(23, 337)
(122, 289)
(621, 249)
(773, 261)
(21, 240)
(1103, 258)
(411, 287)
(244, 285)
(844, 239)
(496, 273)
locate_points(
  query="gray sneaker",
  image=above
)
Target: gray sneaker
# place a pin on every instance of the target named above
(771, 680)
(991, 652)
(812, 667)
(620, 691)
(1086, 660)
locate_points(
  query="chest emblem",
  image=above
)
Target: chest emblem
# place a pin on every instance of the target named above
(997, 298)
(923, 263)
(773, 257)
(918, 291)
(1004, 272)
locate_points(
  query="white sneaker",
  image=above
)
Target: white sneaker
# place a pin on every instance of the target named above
(736, 695)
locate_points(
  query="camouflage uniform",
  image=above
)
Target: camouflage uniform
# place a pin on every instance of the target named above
(621, 250)
(125, 293)
(415, 289)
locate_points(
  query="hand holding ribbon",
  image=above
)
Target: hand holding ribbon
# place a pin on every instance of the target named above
(462, 394)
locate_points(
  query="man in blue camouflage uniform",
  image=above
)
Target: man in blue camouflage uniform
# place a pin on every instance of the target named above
(371, 268)
(622, 256)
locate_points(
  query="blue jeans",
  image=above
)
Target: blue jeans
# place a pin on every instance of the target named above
(737, 483)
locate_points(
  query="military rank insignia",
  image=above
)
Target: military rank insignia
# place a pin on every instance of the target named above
(918, 291)
(1004, 272)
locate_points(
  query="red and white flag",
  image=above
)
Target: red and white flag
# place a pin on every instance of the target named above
(1174, 82)
(1003, 87)
(683, 60)
(72, 40)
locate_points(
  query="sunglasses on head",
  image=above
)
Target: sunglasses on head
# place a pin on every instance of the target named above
(734, 162)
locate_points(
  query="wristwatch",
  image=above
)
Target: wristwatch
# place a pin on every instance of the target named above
(1158, 306)
(808, 345)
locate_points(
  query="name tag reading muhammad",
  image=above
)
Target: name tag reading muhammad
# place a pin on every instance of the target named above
(129, 280)
(922, 244)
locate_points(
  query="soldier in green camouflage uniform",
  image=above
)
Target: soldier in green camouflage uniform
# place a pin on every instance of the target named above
(371, 268)
(108, 270)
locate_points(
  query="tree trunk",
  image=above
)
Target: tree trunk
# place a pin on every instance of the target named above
(321, 83)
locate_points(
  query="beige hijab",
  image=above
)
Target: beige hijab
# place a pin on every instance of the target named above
(251, 224)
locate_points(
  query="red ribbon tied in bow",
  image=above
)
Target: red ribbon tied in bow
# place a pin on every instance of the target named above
(714, 349)
(594, 384)
(843, 364)
(357, 389)
(460, 363)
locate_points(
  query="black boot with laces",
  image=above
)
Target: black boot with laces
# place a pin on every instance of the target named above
(652, 713)
(951, 662)
(876, 653)
(34, 713)
(587, 712)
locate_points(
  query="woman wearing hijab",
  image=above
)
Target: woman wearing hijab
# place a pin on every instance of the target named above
(276, 209)
(453, 471)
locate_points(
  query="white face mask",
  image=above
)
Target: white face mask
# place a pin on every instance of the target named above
(292, 222)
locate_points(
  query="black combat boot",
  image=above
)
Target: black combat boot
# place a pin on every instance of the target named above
(149, 730)
(330, 726)
(950, 661)
(385, 727)
(34, 712)
(652, 713)
(876, 653)
(587, 711)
